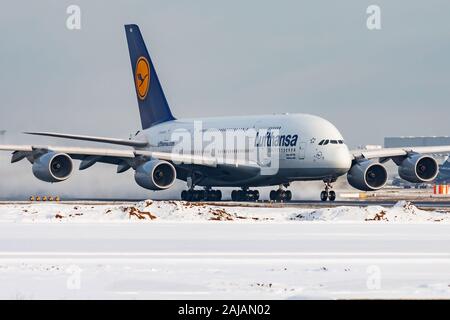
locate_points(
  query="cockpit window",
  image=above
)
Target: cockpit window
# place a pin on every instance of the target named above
(327, 141)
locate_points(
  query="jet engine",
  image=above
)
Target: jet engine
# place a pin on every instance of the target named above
(155, 175)
(417, 168)
(367, 176)
(53, 167)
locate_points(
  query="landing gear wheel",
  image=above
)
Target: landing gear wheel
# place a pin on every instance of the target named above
(201, 195)
(332, 196)
(245, 195)
(273, 195)
(213, 195)
(195, 195)
(187, 195)
(288, 195)
(280, 195)
(218, 195)
(328, 194)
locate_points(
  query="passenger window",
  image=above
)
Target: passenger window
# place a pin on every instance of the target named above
(326, 142)
(333, 142)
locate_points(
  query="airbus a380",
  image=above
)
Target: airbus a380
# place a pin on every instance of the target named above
(294, 147)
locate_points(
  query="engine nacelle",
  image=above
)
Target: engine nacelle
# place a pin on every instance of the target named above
(53, 167)
(417, 168)
(367, 176)
(155, 175)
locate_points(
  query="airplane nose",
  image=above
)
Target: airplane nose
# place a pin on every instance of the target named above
(343, 160)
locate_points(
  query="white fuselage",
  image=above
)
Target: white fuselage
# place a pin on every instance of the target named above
(296, 139)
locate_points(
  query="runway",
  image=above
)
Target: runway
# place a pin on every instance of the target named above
(224, 260)
(422, 204)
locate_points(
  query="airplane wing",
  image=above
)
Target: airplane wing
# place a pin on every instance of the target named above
(125, 159)
(386, 153)
(130, 143)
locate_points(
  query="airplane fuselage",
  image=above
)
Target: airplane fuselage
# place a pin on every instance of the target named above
(295, 139)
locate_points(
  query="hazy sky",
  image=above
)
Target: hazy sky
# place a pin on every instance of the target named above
(217, 58)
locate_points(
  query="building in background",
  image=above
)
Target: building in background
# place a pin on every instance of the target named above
(395, 142)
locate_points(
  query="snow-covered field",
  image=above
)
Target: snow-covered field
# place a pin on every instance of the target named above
(173, 249)
(163, 211)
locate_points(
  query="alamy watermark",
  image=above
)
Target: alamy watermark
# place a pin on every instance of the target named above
(374, 277)
(232, 146)
(74, 279)
(373, 21)
(73, 21)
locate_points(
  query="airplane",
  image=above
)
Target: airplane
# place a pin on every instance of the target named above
(278, 150)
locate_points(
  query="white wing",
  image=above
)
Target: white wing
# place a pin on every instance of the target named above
(123, 158)
(395, 152)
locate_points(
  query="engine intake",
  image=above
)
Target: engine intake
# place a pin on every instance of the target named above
(367, 176)
(418, 168)
(155, 175)
(53, 167)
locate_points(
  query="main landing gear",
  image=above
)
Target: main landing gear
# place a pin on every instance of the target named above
(244, 195)
(201, 195)
(328, 194)
(280, 195)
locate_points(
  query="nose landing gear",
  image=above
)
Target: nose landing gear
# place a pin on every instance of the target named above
(328, 194)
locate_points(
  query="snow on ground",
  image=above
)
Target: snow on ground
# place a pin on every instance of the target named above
(185, 211)
(178, 250)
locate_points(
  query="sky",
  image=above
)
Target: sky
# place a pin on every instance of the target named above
(218, 58)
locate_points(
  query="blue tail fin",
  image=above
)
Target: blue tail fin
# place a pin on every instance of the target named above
(153, 106)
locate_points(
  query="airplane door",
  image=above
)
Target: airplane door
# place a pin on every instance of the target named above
(301, 150)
